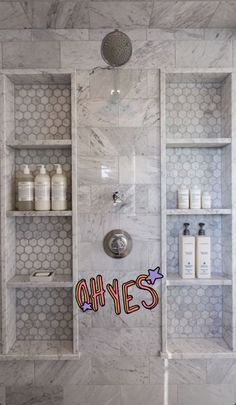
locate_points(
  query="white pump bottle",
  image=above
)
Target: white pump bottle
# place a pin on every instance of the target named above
(42, 190)
(59, 187)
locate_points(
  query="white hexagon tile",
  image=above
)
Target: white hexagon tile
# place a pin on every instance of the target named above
(194, 166)
(43, 244)
(195, 312)
(193, 110)
(42, 111)
(213, 229)
(44, 313)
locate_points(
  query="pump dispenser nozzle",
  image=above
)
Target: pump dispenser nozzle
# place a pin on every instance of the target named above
(186, 230)
(42, 169)
(58, 168)
(201, 230)
(26, 169)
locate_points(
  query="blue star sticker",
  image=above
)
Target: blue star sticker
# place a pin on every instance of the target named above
(86, 306)
(154, 275)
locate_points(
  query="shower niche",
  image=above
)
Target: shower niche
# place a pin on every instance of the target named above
(197, 148)
(37, 119)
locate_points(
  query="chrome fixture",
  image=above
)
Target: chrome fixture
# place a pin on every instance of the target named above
(117, 244)
(117, 198)
(116, 48)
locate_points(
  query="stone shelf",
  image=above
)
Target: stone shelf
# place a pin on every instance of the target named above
(176, 280)
(41, 144)
(198, 143)
(20, 281)
(39, 213)
(41, 350)
(210, 211)
(197, 348)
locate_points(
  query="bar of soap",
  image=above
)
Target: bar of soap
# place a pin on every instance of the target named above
(42, 276)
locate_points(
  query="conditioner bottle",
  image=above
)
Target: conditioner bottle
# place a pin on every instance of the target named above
(59, 187)
(203, 254)
(42, 190)
(187, 254)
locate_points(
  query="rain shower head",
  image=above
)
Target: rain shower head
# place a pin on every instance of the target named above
(116, 48)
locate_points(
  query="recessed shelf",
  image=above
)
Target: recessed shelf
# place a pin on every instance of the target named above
(41, 144)
(210, 211)
(197, 348)
(39, 213)
(36, 349)
(176, 280)
(22, 281)
(198, 143)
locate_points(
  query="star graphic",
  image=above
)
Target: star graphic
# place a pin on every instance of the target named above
(86, 306)
(154, 275)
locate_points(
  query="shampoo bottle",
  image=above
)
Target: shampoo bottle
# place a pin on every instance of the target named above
(195, 198)
(203, 254)
(25, 190)
(187, 254)
(42, 190)
(59, 187)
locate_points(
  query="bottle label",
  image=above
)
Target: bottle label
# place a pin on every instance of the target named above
(58, 191)
(25, 191)
(42, 191)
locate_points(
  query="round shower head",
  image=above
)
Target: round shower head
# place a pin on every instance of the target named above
(116, 48)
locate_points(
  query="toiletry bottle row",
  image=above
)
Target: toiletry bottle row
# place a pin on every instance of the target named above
(193, 198)
(194, 254)
(35, 193)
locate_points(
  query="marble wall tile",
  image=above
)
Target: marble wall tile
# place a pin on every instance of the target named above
(137, 341)
(92, 170)
(139, 170)
(203, 54)
(214, 34)
(74, 34)
(14, 15)
(3, 395)
(135, 34)
(138, 113)
(34, 395)
(182, 14)
(221, 371)
(16, 373)
(152, 54)
(63, 372)
(190, 34)
(208, 394)
(141, 227)
(224, 16)
(97, 113)
(117, 14)
(98, 341)
(92, 394)
(83, 198)
(74, 54)
(148, 394)
(178, 371)
(157, 34)
(60, 14)
(15, 35)
(31, 55)
(90, 227)
(120, 370)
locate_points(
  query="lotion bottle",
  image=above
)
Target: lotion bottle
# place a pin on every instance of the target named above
(183, 198)
(42, 190)
(195, 198)
(203, 254)
(59, 187)
(187, 254)
(25, 190)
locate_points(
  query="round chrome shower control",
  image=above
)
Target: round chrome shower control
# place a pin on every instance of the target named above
(117, 244)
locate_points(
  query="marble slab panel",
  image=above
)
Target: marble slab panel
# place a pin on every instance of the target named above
(46, 395)
(208, 394)
(31, 55)
(74, 54)
(152, 54)
(138, 113)
(96, 170)
(14, 15)
(224, 16)
(146, 341)
(141, 227)
(74, 34)
(148, 394)
(98, 341)
(203, 54)
(16, 373)
(97, 113)
(135, 34)
(221, 371)
(139, 170)
(92, 394)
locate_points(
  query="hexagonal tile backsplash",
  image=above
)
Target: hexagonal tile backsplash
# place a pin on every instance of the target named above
(195, 311)
(42, 112)
(44, 313)
(193, 110)
(213, 229)
(193, 166)
(43, 244)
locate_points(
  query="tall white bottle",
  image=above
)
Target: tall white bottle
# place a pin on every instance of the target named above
(25, 190)
(203, 254)
(187, 254)
(59, 187)
(42, 190)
